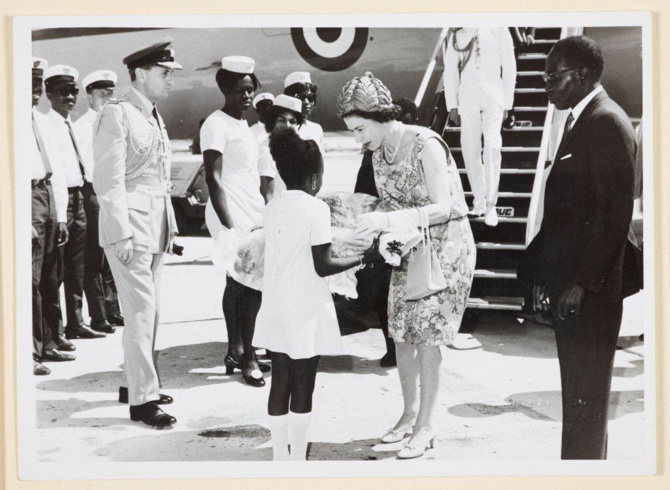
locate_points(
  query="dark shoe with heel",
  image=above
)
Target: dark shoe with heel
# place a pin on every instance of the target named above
(162, 400)
(55, 355)
(64, 344)
(151, 414)
(103, 327)
(117, 320)
(232, 364)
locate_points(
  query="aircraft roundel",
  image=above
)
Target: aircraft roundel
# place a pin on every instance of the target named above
(330, 49)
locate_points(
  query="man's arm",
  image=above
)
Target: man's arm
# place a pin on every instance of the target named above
(610, 168)
(109, 182)
(508, 64)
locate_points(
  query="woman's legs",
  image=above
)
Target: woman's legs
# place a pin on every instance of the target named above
(429, 360)
(230, 302)
(278, 403)
(250, 304)
(408, 371)
(303, 378)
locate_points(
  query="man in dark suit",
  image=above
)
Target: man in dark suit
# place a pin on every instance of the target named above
(577, 257)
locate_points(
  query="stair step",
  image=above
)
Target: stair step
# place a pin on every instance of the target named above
(496, 303)
(531, 109)
(507, 149)
(520, 129)
(508, 194)
(516, 171)
(495, 273)
(501, 219)
(501, 246)
(532, 56)
(529, 90)
(529, 73)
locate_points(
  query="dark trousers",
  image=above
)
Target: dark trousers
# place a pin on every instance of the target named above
(586, 346)
(46, 299)
(99, 284)
(73, 253)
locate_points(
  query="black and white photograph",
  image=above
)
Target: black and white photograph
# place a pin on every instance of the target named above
(344, 245)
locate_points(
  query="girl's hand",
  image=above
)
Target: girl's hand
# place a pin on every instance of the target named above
(372, 253)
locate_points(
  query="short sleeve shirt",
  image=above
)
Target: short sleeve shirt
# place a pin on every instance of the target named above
(239, 177)
(312, 131)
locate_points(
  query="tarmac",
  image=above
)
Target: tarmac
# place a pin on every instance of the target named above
(500, 397)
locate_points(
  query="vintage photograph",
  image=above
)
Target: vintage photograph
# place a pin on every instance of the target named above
(408, 245)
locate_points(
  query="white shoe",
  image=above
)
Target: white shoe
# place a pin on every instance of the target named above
(491, 218)
(396, 435)
(477, 211)
(411, 451)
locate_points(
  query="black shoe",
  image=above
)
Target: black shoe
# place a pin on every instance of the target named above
(64, 344)
(151, 414)
(232, 364)
(162, 400)
(388, 360)
(57, 356)
(82, 332)
(510, 121)
(40, 369)
(116, 320)
(251, 372)
(103, 327)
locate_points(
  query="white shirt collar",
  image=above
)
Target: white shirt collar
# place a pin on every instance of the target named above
(145, 102)
(579, 108)
(57, 117)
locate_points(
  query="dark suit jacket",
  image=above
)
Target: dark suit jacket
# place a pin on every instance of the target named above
(588, 205)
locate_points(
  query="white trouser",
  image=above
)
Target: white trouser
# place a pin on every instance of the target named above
(138, 285)
(484, 178)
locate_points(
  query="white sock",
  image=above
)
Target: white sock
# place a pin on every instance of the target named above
(297, 435)
(279, 431)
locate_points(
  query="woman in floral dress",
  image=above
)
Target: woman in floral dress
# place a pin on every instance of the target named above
(414, 170)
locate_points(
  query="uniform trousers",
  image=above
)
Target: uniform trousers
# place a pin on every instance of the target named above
(586, 345)
(484, 178)
(99, 284)
(74, 257)
(138, 287)
(46, 299)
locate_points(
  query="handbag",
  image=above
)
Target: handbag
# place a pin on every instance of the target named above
(424, 273)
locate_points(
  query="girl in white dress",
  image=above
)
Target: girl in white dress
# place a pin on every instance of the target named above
(297, 320)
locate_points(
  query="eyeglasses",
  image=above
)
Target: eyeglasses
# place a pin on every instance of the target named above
(553, 77)
(64, 92)
(311, 98)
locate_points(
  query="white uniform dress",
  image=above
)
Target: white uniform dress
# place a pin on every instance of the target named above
(312, 131)
(240, 179)
(297, 315)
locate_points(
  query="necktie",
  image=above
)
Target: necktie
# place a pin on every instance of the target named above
(155, 114)
(76, 150)
(567, 128)
(42, 149)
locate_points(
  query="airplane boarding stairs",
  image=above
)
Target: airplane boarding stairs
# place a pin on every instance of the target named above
(499, 249)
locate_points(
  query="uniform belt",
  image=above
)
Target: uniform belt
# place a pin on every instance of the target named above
(157, 189)
(40, 182)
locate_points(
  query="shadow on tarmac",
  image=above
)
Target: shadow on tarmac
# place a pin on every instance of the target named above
(53, 414)
(352, 364)
(546, 406)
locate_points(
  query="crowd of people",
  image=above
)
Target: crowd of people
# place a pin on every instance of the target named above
(102, 184)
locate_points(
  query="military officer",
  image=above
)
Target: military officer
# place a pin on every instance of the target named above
(61, 90)
(99, 287)
(49, 208)
(479, 78)
(131, 177)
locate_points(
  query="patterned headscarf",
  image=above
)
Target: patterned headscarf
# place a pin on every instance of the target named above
(365, 94)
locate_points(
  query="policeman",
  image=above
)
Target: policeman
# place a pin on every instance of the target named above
(299, 84)
(131, 177)
(48, 229)
(61, 89)
(99, 287)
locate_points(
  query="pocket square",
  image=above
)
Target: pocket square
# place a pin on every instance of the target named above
(569, 155)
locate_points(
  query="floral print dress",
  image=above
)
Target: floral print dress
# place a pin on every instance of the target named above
(435, 319)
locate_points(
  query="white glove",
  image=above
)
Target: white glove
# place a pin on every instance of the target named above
(123, 249)
(368, 223)
(405, 219)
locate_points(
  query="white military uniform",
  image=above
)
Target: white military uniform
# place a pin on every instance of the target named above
(132, 181)
(312, 131)
(481, 93)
